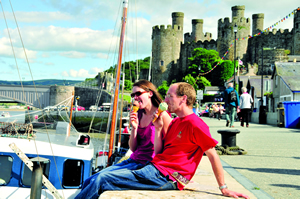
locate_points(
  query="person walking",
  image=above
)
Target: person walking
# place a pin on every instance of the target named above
(231, 99)
(245, 106)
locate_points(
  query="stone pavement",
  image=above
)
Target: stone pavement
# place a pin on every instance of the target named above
(271, 168)
(204, 186)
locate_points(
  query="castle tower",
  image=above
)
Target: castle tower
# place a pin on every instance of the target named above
(197, 29)
(238, 11)
(296, 33)
(166, 44)
(177, 20)
(257, 23)
(226, 34)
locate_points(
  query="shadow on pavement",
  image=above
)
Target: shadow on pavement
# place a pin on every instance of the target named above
(270, 170)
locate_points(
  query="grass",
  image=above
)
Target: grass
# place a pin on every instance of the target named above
(126, 98)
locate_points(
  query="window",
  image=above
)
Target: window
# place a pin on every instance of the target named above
(26, 175)
(161, 63)
(5, 169)
(72, 174)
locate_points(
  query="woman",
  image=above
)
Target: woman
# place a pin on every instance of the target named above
(143, 141)
(245, 106)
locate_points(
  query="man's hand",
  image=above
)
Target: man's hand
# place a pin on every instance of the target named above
(158, 124)
(227, 192)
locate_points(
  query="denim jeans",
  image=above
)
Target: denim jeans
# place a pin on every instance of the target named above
(146, 178)
(126, 164)
(230, 112)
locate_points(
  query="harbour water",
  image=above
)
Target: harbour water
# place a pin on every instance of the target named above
(17, 116)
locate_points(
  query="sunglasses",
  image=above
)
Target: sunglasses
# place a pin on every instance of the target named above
(138, 93)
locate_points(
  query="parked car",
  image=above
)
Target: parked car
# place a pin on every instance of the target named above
(50, 108)
(79, 108)
(93, 108)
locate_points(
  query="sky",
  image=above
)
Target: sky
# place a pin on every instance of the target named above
(76, 39)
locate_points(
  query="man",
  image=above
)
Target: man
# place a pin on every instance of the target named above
(186, 140)
(231, 99)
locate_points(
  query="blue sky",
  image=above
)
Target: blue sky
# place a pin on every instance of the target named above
(76, 39)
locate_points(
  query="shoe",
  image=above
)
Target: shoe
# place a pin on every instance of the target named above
(242, 125)
(247, 126)
(227, 124)
(232, 126)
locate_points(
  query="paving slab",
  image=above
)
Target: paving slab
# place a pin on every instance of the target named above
(203, 186)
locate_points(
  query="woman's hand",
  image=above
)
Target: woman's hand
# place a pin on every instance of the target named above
(134, 119)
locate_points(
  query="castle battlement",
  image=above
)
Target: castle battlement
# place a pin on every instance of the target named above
(225, 21)
(241, 21)
(156, 30)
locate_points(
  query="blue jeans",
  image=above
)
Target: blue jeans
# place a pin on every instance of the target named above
(230, 112)
(126, 164)
(146, 178)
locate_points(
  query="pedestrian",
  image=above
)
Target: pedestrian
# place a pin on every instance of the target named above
(231, 99)
(142, 137)
(184, 144)
(245, 106)
(221, 111)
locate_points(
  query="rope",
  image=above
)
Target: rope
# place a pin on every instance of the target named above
(226, 150)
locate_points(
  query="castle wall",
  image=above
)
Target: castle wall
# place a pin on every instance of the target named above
(270, 56)
(296, 34)
(281, 39)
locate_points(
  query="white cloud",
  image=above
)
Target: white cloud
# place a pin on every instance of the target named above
(65, 74)
(95, 70)
(7, 51)
(73, 54)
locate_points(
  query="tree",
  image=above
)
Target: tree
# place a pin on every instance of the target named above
(202, 82)
(206, 59)
(127, 85)
(163, 89)
(222, 73)
(191, 80)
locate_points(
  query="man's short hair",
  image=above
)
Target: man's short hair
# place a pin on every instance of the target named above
(188, 90)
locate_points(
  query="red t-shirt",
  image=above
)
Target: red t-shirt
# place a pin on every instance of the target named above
(184, 144)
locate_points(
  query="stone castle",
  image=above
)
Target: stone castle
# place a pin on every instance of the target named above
(171, 48)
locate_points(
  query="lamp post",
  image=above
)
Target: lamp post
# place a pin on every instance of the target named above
(235, 29)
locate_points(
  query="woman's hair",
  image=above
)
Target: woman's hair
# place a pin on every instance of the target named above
(148, 86)
(244, 89)
(188, 90)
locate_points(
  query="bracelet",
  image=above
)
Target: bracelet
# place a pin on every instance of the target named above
(223, 187)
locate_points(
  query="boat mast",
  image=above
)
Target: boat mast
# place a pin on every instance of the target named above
(117, 83)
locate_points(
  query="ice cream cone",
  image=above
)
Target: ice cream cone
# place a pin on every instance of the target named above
(135, 108)
(162, 107)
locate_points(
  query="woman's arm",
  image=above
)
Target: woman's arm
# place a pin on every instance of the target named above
(160, 131)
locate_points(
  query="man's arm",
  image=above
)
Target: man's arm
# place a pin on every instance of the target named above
(161, 127)
(219, 174)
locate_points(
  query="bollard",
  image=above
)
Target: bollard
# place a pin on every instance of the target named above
(36, 177)
(229, 136)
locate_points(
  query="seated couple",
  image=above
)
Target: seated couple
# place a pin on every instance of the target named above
(178, 146)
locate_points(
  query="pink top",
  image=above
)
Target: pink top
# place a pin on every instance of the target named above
(184, 144)
(145, 142)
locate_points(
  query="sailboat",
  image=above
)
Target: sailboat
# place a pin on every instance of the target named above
(51, 164)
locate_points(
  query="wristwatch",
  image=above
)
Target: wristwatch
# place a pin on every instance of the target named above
(223, 187)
